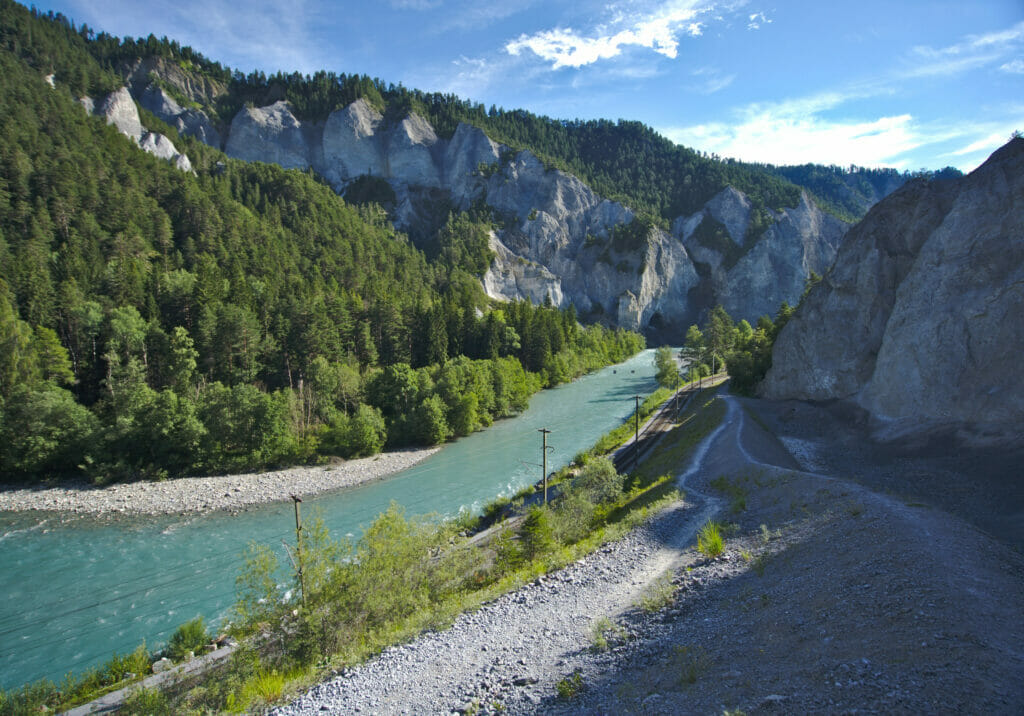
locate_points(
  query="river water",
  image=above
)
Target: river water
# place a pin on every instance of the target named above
(71, 595)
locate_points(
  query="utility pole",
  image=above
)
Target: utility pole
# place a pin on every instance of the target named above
(544, 459)
(298, 549)
(636, 433)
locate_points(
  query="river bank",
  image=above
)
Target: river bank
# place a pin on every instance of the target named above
(206, 494)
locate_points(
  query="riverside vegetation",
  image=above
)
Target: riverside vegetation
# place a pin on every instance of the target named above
(402, 576)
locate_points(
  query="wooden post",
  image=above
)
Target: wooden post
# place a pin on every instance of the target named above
(636, 433)
(298, 549)
(544, 459)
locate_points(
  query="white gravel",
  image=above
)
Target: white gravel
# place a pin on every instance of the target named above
(205, 494)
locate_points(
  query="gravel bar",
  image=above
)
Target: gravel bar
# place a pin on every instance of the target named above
(205, 494)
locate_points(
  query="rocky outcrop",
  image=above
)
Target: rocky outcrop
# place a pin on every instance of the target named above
(754, 275)
(559, 238)
(118, 108)
(918, 322)
(188, 122)
(269, 134)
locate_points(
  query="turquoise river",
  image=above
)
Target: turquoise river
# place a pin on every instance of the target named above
(72, 594)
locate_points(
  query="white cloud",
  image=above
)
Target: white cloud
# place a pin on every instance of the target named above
(985, 144)
(659, 31)
(415, 4)
(757, 20)
(795, 132)
(1016, 67)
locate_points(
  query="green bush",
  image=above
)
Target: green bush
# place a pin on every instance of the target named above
(537, 536)
(190, 636)
(146, 702)
(598, 481)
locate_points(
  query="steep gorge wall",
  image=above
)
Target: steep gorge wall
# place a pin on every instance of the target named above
(559, 238)
(918, 322)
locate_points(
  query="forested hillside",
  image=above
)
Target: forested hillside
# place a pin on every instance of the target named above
(154, 321)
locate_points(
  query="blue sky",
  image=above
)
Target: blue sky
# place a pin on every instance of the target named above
(903, 83)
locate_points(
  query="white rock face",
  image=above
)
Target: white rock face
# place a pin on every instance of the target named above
(802, 239)
(919, 320)
(513, 277)
(351, 146)
(119, 109)
(410, 158)
(468, 149)
(269, 134)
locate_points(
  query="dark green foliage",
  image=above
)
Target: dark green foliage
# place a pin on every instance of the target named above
(537, 536)
(190, 636)
(370, 190)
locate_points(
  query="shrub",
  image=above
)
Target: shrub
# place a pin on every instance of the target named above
(709, 539)
(573, 516)
(598, 482)
(190, 636)
(537, 537)
(146, 702)
(570, 686)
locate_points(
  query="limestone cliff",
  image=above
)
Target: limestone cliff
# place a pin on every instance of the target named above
(918, 322)
(118, 108)
(559, 238)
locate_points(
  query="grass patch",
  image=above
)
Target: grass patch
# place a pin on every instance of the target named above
(736, 493)
(690, 662)
(709, 539)
(673, 451)
(570, 686)
(605, 634)
(659, 594)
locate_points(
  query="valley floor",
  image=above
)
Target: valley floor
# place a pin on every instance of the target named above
(831, 596)
(206, 494)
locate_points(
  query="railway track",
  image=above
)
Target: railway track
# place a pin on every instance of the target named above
(629, 455)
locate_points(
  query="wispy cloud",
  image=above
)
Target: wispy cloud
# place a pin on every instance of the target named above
(268, 34)
(973, 52)
(803, 130)
(1016, 67)
(659, 30)
(708, 80)
(415, 4)
(796, 132)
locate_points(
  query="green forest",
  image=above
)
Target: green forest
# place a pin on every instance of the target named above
(156, 323)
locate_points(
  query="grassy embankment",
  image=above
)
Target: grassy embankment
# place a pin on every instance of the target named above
(403, 576)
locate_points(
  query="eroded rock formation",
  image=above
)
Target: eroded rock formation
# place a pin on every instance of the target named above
(918, 322)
